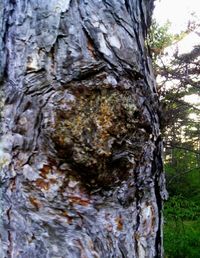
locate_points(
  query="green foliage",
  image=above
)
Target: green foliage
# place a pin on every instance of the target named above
(183, 173)
(178, 209)
(182, 239)
(159, 38)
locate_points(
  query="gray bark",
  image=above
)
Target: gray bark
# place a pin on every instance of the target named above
(80, 153)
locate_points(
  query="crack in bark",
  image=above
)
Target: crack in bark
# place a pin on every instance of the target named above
(157, 169)
(10, 240)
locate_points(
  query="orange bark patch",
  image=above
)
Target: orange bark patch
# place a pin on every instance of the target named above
(45, 171)
(13, 185)
(119, 222)
(42, 184)
(52, 181)
(79, 200)
(65, 214)
(90, 48)
(37, 204)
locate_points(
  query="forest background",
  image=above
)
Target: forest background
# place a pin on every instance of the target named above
(175, 50)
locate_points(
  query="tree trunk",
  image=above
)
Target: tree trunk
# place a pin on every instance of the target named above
(81, 168)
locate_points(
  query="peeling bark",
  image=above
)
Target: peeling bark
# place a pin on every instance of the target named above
(80, 152)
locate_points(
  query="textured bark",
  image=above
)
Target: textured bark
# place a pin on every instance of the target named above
(81, 168)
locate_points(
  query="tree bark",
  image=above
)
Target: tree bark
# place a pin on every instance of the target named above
(80, 153)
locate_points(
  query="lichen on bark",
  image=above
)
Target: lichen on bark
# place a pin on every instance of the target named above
(92, 130)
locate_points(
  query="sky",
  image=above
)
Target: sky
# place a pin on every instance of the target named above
(178, 12)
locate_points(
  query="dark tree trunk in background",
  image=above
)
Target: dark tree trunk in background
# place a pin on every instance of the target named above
(81, 168)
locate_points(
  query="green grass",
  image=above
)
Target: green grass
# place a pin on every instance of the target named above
(182, 239)
(182, 228)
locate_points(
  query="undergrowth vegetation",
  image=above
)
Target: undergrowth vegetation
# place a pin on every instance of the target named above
(182, 228)
(182, 213)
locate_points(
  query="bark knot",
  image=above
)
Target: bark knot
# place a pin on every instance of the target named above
(91, 129)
